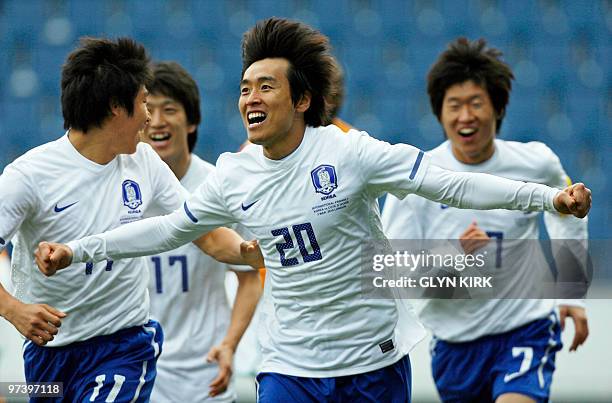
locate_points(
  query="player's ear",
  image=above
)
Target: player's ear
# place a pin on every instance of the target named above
(304, 103)
(115, 108)
(501, 113)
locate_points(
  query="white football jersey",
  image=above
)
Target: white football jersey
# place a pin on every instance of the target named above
(419, 218)
(53, 193)
(311, 212)
(188, 299)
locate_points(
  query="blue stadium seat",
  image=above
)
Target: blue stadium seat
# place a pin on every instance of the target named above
(78, 12)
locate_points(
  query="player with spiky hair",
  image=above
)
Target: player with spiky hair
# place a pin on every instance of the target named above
(94, 178)
(308, 193)
(500, 350)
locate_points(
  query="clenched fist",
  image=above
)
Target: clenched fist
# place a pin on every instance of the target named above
(51, 257)
(574, 200)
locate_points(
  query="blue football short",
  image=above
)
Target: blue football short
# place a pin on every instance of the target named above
(119, 367)
(519, 361)
(390, 384)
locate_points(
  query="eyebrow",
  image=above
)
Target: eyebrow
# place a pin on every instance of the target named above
(259, 79)
(458, 99)
(164, 102)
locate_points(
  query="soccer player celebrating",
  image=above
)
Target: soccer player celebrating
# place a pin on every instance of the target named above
(309, 193)
(475, 356)
(189, 299)
(94, 178)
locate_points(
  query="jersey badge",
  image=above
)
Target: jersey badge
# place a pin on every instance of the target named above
(324, 179)
(132, 197)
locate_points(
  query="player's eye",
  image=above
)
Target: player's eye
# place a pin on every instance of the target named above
(244, 91)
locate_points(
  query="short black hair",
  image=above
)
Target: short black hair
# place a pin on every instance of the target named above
(466, 60)
(311, 65)
(99, 74)
(172, 80)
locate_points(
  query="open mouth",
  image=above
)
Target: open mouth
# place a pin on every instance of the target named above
(467, 132)
(255, 118)
(159, 136)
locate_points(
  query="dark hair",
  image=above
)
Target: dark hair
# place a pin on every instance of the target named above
(466, 60)
(335, 98)
(99, 74)
(310, 61)
(172, 80)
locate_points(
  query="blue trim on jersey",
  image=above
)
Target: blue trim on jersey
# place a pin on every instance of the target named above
(417, 163)
(189, 213)
(2, 241)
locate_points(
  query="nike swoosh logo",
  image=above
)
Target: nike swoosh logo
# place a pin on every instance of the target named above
(444, 206)
(248, 206)
(60, 209)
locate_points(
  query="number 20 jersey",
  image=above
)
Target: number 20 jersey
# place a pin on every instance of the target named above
(311, 213)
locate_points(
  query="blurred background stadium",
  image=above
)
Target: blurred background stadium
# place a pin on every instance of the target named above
(560, 52)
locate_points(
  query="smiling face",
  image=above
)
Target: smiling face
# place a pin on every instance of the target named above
(469, 121)
(268, 113)
(169, 128)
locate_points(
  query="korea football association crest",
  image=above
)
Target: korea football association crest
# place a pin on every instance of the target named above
(132, 197)
(324, 179)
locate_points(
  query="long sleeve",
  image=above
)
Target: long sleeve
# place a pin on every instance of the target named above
(484, 192)
(17, 201)
(202, 212)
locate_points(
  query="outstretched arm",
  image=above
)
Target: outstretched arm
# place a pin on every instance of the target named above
(203, 212)
(146, 237)
(484, 192)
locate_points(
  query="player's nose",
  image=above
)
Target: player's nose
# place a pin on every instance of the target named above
(465, 114)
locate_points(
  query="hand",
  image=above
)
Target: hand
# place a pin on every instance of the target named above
(581, 325)
(37, 322)
(223, 355)
(575, 200)
(51, 257)
(251, 253)
(473, 238)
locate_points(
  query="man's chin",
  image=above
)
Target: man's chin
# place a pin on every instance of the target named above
(255, 139)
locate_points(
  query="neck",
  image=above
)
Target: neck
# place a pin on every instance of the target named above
(288, 144)
(180, 166)
(93, 145)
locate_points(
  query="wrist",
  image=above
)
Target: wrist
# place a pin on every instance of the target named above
(230, 344)
(8, 305)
